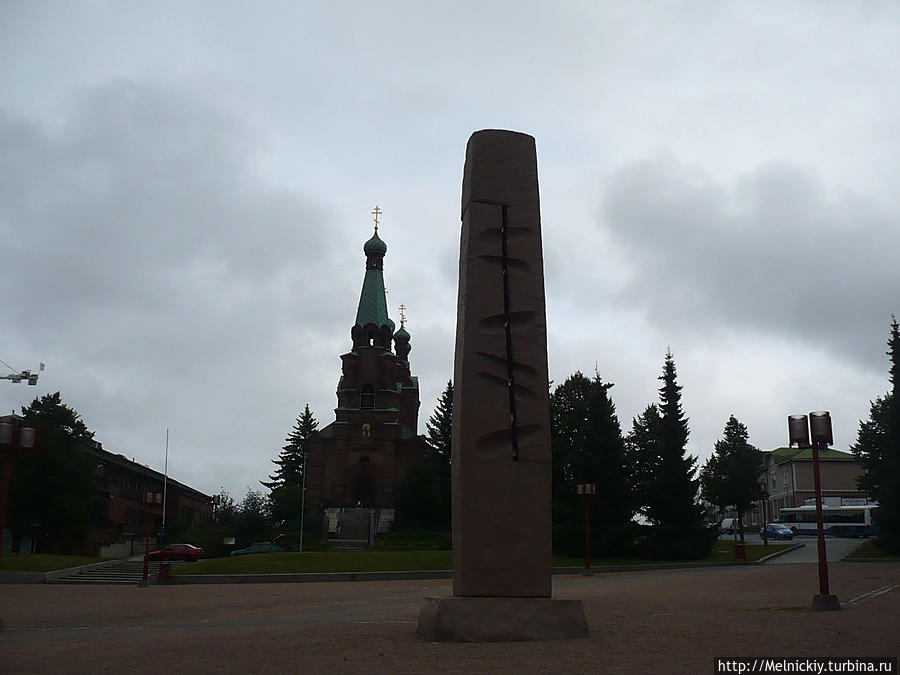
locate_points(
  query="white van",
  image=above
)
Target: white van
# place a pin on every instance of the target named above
(728, 525)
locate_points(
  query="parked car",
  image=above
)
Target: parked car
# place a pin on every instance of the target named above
(776, 531)
(728, 525)
(259, 547)
(185, 552)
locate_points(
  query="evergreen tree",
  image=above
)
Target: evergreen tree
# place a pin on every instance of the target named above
(588, 447)
(51, 489)
(641, 453)
(440, 426)
(730, 477)
(878, 450)
(290, 460)
(285, 484)
(674, 512)
(440, 431)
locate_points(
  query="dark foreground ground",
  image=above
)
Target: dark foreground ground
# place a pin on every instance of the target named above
(653, 622)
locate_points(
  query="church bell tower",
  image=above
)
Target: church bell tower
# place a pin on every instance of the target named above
(358, 459)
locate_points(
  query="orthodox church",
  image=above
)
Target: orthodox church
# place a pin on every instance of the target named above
(358, 459)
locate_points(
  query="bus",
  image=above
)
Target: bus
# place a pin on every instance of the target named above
(839, 521)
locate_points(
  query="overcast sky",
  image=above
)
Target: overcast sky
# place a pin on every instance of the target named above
(185, 189)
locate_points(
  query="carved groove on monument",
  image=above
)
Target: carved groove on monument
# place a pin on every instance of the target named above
(507, 262)
(520, 389)
(510, 374)
(517, 365)
(500, 323)
(501, 438)
(511, 232)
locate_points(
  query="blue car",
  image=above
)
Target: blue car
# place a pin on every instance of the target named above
(776, 531)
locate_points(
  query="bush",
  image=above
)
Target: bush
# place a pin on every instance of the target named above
(675, 543)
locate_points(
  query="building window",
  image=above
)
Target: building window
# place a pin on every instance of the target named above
(774, 481)
(367, 397)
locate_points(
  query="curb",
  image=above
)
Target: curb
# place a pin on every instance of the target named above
(316, 577)
(781, 552)
(871, 560)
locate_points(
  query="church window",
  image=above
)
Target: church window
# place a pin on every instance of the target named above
(367, 397)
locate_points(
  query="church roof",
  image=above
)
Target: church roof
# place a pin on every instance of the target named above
(372, 301)
(375, 245)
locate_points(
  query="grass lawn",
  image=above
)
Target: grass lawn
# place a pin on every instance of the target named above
(871, 549)
(42, 562)
(408, 561)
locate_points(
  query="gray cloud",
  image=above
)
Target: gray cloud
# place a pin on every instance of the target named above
(776, 252)
(145, 254)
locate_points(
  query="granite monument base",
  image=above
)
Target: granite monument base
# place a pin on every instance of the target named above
(494, 619)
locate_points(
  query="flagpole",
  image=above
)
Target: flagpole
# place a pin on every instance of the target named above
(165, 482)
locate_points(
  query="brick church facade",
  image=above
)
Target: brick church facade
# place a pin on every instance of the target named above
(360, 457)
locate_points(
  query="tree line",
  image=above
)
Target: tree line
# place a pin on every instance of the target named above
(649, 487)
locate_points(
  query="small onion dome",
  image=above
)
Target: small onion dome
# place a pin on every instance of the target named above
(401, 335)
(375, 245)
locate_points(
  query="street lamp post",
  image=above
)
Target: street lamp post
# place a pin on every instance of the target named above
(302, 499)
(799, 433)
(587, 492)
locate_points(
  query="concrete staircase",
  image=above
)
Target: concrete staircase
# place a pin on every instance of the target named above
(128, 572)
(354, 531)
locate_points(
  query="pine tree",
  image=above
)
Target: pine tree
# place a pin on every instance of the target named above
(440, 427)
(290, 460)
(730, 477)
(440, 432)
(285, 484)
(878, 450)
(588, 447)
(672, 506)
(641, 453)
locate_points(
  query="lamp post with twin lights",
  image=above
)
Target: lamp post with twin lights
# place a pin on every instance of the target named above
(799, 432)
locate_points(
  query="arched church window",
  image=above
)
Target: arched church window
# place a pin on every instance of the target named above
(367, 397)
(367, 430)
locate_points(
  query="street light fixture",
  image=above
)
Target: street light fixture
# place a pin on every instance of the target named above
(799, 432)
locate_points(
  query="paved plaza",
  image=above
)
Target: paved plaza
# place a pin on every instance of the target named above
(662, 621)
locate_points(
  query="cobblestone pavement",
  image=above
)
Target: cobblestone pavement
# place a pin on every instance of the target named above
(674, 621)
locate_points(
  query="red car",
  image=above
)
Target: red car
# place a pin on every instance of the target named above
(177, 552)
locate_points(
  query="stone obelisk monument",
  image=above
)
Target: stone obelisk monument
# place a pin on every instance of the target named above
(501, 473)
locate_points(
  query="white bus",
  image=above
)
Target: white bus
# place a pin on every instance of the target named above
(840, 521)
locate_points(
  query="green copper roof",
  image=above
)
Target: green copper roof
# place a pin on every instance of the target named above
(375, 245)
(784, 454)
(372, 303)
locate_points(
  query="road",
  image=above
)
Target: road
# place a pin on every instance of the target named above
(835, 549)
(672, 621)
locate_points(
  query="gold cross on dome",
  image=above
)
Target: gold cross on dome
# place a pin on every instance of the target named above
(377, 212)
(402, 315)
